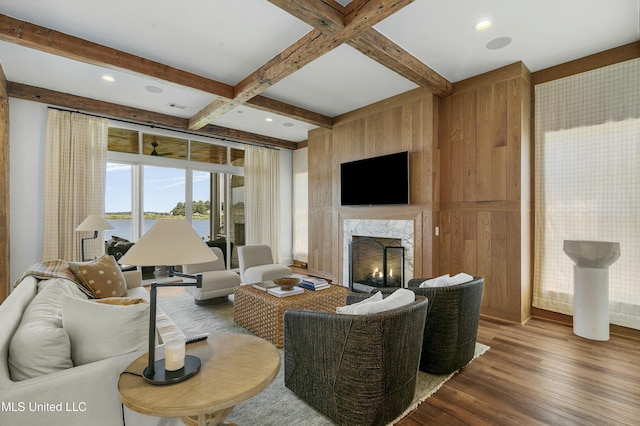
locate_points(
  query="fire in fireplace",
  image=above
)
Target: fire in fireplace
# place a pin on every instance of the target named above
(375, 262)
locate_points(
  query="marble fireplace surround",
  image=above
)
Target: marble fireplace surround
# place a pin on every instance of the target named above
(406, 229)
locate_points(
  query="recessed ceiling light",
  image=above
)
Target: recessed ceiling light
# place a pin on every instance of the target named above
(269, 119)
(288, 124)
(483, 25)
(108, 78)
(153, 89)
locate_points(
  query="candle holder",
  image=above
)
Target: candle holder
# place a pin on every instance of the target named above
(156, 372)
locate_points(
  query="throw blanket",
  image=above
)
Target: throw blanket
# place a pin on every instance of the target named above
(49, 269)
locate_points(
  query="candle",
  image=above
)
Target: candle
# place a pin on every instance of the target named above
(174, 354)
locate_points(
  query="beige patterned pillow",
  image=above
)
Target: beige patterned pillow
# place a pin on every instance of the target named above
(102, 277)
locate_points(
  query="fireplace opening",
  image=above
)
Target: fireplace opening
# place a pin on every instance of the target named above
(375, 262)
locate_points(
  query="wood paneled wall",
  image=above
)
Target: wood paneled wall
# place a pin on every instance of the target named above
(4, 188)
(403, 123)
(470, 177)
(485, 210)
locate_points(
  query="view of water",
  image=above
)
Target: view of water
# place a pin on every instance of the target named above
(122, 228)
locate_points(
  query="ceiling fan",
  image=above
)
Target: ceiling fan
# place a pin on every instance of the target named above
(155, 153)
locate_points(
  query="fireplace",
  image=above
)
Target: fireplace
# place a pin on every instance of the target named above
(401, 231)
(375, 262)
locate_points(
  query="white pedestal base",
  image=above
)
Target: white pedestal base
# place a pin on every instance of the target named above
(591, 302)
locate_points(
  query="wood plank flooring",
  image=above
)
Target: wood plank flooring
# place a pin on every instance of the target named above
(536, 374)
(540, 374)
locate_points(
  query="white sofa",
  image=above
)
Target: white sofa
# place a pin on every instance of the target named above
(79, 395)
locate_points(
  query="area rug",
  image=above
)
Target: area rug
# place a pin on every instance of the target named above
(276, 405)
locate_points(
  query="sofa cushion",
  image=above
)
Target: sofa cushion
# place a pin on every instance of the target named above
(102, 277)
(351, 309)
(40, 345)
(396, 299)
(98, 331)
(265, 273)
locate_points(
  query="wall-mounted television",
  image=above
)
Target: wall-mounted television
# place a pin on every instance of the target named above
(375, 181)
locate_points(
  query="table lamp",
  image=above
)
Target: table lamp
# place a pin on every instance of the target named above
(95, 223)
(168, 242)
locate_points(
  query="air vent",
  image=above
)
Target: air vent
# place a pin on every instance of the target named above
(178, 106)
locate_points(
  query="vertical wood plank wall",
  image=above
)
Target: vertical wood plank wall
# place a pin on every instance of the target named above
(4, 188)
(402, 123)
(322, 235)
(485, 204)
(470, 176)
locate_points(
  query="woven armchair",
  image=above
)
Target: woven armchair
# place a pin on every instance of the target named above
(356, 369)
(452, 324)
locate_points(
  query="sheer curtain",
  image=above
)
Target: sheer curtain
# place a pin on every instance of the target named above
(75, 168)
(262, 197)
(587, 183)
(301, 205)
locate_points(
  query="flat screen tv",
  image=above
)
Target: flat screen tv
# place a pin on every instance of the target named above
(375, 181)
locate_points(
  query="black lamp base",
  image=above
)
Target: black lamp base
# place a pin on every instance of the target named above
(164, 377)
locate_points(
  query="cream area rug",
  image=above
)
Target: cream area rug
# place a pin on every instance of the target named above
(276, 405)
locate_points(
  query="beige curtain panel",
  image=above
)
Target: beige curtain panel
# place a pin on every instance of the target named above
(262, 198)
(75, 167)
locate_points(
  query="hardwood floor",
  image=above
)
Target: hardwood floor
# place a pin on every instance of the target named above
(540, 374)
(536, 374)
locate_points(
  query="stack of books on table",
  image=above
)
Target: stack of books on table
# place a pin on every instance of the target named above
(313, 283)
(277, 291)
(265, 285)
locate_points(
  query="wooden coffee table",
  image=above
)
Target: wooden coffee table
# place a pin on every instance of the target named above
(235, 367)
(263, 314)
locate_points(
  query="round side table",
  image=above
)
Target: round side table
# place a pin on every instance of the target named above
(235, 367)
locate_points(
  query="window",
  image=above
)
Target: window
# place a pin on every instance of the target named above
(152, 176)
(118, 200)
(587, 183)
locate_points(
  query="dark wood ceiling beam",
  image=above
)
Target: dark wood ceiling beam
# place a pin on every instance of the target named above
(271, 105)
(326, 16)
(369, 13)
(305, 50)
(384, 51)
(242, 136)
(369, 42)
(107, 109)
(57, 43)
(310, 47)
(49, 41)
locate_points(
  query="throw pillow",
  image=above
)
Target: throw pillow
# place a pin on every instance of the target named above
(396, 299)
(122, 301)
(40, 345)
(350, 309)
(102, 277)
(98, 331)
(446, 280)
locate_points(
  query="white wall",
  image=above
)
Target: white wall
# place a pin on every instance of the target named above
(28, 122)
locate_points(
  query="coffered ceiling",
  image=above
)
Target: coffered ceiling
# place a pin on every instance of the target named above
(224, 67)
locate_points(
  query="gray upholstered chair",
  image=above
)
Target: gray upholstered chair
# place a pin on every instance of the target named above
(256, 264)
(355, 369)
(217, 283)
(452, 324)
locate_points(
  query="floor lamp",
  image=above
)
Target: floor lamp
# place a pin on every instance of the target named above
(95, 223)
(168, 242)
